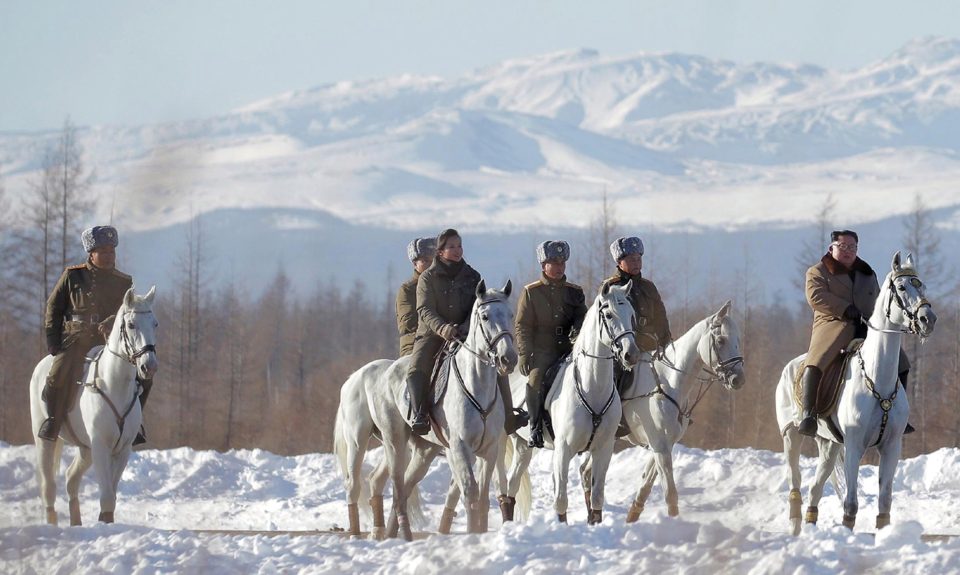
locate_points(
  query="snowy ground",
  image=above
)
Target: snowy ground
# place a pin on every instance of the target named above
(733, 519)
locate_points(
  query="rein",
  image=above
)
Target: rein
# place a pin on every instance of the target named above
(131, 356)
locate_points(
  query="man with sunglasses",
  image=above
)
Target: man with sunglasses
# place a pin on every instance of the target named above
(842, 290)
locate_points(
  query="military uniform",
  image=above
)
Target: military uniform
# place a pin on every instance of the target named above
(549, 315)
(83, 298)
(407, 314)
(445, 295)
(653, 327)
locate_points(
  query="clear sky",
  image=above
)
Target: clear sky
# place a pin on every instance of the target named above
(134, 62)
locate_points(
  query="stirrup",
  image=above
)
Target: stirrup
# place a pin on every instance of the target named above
(141, 437)
(420, 425)
(808, 426)
(48, 430)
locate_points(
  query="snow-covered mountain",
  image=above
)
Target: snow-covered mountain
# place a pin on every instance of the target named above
(680, 143)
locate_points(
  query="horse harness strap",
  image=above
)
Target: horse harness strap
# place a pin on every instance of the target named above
(885, 404)
(120, 419)
(596, 418)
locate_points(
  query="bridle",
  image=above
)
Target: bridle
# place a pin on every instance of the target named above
(615, 344)
(911, 313)
(488, 356)
(130, 352)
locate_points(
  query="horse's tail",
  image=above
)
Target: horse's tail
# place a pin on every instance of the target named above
(418, 519)
(839, 476)
(524, 493)
(340, 444)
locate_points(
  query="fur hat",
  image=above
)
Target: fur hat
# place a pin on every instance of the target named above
(444, 236)
(99, 236)
(623, 247)
(553, 250)
(421, 248)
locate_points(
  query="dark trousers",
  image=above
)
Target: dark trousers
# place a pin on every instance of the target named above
(425, 350)
(61, 386)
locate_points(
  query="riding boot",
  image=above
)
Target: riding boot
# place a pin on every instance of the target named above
(514, 418)
(145, 385)
(50, 428)
(417, 386)
(903, 381)
(535, 406)
(810, 382)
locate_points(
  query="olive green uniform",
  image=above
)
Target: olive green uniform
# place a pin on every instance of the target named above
(549, 315)
(84, 297)
(407, 314)
(653, 327)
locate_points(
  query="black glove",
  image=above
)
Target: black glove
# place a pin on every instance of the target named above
(852, 314)
(526, 364)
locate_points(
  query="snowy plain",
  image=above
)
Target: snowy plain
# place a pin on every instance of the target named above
(733, 520)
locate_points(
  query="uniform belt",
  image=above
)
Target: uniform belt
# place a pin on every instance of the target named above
(95, 318)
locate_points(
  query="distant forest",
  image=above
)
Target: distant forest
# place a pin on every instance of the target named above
(264, 371)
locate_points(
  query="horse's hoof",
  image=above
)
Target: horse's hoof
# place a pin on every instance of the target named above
(52, 517)
(673, 510)
(633, 514)
(507, 505)
(105, 517)
(562, 517)
(378, 533)
(795, 526)
(595, 517)
(75, 513)
(883, 520)
(849, 521)
(404, 527)
(812, 515)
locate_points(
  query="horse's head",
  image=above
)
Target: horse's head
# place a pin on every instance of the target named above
(719, 348)
(617, 323)
(491, 329)
(137, 332)
(906, 304)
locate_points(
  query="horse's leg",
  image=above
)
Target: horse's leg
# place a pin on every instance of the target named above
(487, 465)
(78, 467)
(601, 464)
(461, 467)
(648, 477)
(504, 499)
(889, 457)
(450, 507)
(851, 464)
(47, 463)
(664, 458)
(103, 468)
(561, 469)
(355, 448)
(378, 481)
(825, 466)
(396, 456)
(423, 456)
(118, 462)
(792, 441)
(586, 473)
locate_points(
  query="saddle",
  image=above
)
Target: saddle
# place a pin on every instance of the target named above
(831, 384)
(438, 381)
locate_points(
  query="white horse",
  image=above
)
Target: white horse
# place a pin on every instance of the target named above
(659, 404)
(468, 418)
(583, 404)
(106, 418)
(871, 410)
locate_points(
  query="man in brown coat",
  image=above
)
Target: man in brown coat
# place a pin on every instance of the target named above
(842, 290)
(549, 316)
(445, 295)
(653, 327)
(421, 252)
(80, 315)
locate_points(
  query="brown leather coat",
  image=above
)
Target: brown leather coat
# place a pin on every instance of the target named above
(83, 297)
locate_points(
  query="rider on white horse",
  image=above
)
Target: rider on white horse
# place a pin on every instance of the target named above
(842, 290)
(445, 295)
(80, 315)
(549, 315)
(653, 327)
(420, 252)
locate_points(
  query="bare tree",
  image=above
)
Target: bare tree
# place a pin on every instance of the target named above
(593, 263)
(814, 247)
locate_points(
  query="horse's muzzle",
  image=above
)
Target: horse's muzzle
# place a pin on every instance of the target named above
(507, 362)
(926, 320)
(629, 353)
(735, 379)
(147, 365)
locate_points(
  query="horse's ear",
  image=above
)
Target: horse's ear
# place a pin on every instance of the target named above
(507, 288)
(128, 298)
(724, 310)
(627, 288)
(909, 261)
(605, 288)
(481, 288)
(150, 294)
(896, 261)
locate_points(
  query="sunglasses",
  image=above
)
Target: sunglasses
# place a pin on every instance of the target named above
(845, 247)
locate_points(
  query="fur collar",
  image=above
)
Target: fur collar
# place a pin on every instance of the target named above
(836, 268)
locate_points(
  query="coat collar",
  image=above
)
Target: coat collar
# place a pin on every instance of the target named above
(836, 268)
(549, 282)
